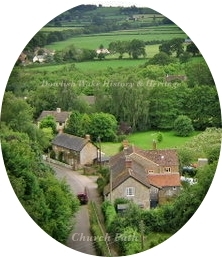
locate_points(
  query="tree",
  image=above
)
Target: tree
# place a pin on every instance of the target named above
(192, 48)
(185, 57)
(48, 122)
(183, 126)
(136, 48)
(120, 47)
(161, 58)
(199, 74)
(16, 112)
(73, 126)
(48, 201)
(174, 45)
(103, 125)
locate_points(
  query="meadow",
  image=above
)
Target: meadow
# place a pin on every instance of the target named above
(93, 41)
(144, 140)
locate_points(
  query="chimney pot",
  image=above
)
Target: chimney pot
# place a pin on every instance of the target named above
(87, 137)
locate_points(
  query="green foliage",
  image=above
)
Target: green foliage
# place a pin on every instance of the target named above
(161, 58)
(16, 112)
(129, 241)
(109, 213)
(48, 201)
(97, 232)
(199, 74)
(159, 137)
(48, 122)
(103, 179)
(103, 125)
(174, 45)
(192, 48)
(183, 126)
(205, 144)
(170, 217)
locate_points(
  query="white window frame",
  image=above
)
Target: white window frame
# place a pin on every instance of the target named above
(130, 191)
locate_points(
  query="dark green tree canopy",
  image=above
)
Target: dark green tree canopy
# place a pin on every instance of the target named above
(183, 126)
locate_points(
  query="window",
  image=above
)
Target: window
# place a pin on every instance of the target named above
(130, 191)
(149, 171)
(174, 188)
(167, 169)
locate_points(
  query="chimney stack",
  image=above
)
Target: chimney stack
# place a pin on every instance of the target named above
(87, 137)
(128, 162)
(58, 110)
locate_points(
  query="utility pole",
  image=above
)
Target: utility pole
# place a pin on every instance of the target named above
(111, 184)
(142, 228)
(100, 154)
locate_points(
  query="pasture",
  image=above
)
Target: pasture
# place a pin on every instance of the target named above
(93, 41)
(144, 140)
(92, 65)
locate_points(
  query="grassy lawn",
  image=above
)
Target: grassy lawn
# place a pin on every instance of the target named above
(144, 140)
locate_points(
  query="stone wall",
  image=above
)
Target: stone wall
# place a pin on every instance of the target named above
(142, 193)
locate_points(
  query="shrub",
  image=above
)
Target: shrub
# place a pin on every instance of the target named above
(183, 126)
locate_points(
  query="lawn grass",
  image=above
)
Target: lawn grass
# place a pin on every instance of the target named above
(144, 140)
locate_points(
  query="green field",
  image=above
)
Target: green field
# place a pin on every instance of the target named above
(144, 140)
(95, 40)
(92, 65)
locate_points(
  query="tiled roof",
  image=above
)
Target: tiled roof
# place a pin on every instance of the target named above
(162, 157)
(123, 176)
(70, 142)
(59, 116)
(140, 161)
(164, 180)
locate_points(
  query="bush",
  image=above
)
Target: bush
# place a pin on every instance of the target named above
(183, 126)
(109, 213)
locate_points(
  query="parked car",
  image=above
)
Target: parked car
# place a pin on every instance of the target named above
(83, 197)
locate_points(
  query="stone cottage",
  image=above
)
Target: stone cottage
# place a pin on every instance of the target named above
(75, 151)
(152, 175)
(61, 117)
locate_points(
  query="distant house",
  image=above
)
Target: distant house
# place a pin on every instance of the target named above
(152, 175)
(73, 150)
(61, 117)
(39, 58)
(102, 51)
(89, 99)
(174, 78)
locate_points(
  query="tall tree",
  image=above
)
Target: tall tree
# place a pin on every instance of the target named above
(137, 48)
(16, 112)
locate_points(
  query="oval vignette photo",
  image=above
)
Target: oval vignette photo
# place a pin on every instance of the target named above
(110, 129)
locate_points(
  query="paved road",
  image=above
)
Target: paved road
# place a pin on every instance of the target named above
(80, 236)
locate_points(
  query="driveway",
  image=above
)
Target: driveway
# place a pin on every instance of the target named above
(80, 238)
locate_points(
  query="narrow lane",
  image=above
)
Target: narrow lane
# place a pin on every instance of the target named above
(80, 237)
